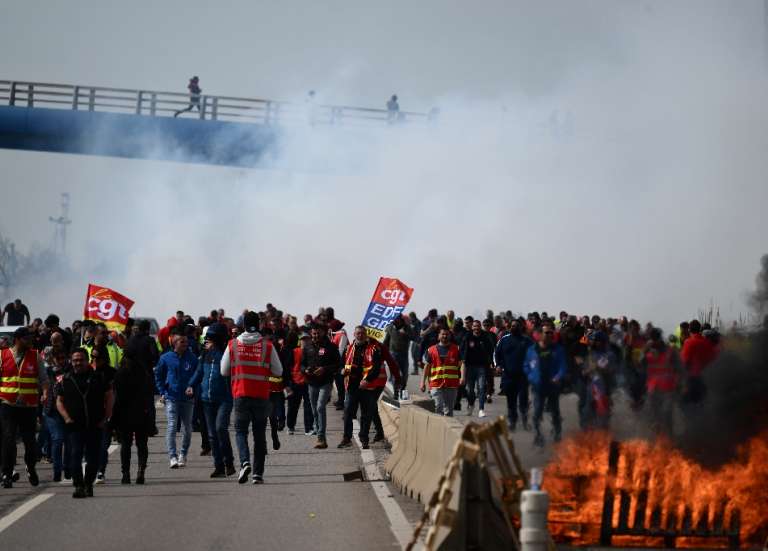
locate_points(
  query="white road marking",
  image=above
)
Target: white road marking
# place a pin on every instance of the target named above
(401, 528)
(22, 510)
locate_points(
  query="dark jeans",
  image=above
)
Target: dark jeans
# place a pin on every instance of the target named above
(402, 363)
(476, 377)
(44, 438)
(341, 392)
(199, 420)
(142, 449)
(217, 416)
(547, 397)
(300, 394)
(375, 416)
(58, 448)
(516, 391)
(277, 415)
(252, 411)
(84, 443)
(366, 401)
(106, 440)
(17, 420)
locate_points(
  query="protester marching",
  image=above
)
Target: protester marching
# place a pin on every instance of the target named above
(68, 392)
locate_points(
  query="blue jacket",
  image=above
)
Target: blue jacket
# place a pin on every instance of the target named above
(214, 387)
(174, 374)
(542, 366)
(510, 356)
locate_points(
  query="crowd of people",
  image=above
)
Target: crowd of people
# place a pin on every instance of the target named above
(67, 392)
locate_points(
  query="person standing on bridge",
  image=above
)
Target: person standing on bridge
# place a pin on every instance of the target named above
(251, 360)
(393, 110)
(194, 96)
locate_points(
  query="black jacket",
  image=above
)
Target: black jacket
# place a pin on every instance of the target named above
(84, 396)
(134, 400)
(323, 354)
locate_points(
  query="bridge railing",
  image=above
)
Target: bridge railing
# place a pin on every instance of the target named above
(206, 107)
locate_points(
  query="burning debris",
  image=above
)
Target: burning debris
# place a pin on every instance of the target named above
(649, 494)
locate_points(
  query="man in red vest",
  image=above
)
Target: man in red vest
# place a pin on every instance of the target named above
(364, 375)
(443, 373)
(21, 382)
(251, 360)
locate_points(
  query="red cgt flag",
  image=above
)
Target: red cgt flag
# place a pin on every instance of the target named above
(102, 304)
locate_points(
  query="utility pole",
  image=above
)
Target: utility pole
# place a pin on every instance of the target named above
(61, 223)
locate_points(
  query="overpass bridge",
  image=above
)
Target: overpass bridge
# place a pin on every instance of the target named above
(225, 130)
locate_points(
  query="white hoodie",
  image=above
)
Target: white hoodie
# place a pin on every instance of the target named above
(252, 338)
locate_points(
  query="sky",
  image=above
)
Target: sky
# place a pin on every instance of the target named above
(597, 156)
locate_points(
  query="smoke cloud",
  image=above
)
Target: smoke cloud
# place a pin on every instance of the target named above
(605, 159)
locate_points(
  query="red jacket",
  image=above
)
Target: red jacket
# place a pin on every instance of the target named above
(697, 353)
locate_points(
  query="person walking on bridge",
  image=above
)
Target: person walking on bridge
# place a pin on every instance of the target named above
(320, 361)
(443, 373)
(251, 360)
(194, 96)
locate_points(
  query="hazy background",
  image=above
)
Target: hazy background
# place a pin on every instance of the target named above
(597, 156)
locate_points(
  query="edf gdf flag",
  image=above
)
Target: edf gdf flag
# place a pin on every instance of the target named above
(389, 301)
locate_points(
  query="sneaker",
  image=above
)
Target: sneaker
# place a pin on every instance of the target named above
(15, 476)
(100, 478)
(345, 443)
(311, 433)
(470, 410)
(291, 432)
(481, 413)
(230, 469)
(126, 478)
(182, 461)
(7, 482)
(205, 452)
(489, 399)
(245, 470)
(257, 479)
(174, 463)
(365, 444)
(34, 480)
(321, 444)
(79, 493)
(218, 473)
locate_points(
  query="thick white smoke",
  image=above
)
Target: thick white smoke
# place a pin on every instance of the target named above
(633, 183)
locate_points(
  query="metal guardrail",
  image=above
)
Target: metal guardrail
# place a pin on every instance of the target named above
(205, 107)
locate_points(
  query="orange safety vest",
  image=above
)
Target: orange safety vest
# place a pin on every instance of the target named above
(444, 372)
(19, 384)
(381, 380)
(251, 368)
(661, 376)
(298, 376)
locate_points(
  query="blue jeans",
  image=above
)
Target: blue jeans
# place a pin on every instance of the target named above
(252, 411)
(106, 440)
(444, 399)
(476, 376)
(300, 393)
(217, 418)
(319, 397)
(44, 439)
(55, 426)
(175, 411)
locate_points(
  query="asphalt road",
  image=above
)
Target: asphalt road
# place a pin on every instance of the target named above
(304, 504)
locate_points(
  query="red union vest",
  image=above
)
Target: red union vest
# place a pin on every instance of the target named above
(19, 384)
(298, 376)
(370, 348)
(250, 368)
(444, 372)
(661, 376)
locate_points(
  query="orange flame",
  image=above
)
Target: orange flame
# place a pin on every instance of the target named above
(656, 488)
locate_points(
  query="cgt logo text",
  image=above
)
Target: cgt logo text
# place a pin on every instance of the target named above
(107, 309)
(393, 296)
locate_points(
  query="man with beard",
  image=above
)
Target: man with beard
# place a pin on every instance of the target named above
(476, 353)
(442, 372)
(320, 361)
